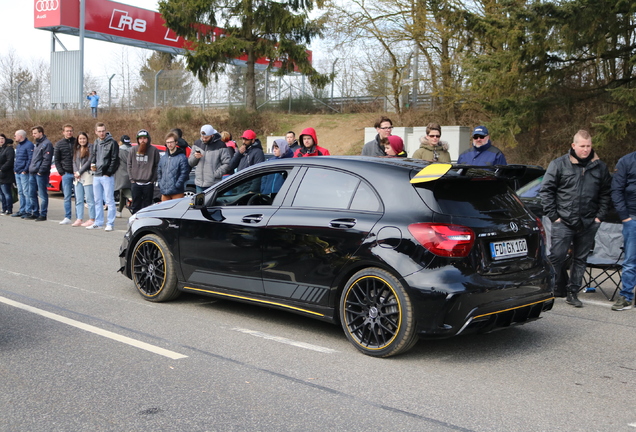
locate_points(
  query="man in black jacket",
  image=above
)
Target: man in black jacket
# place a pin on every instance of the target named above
(104, 163)
(39, 172)
(63, 153)
(575, 195)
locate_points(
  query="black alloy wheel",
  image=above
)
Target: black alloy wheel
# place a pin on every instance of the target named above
(377, 314)
(152, 269)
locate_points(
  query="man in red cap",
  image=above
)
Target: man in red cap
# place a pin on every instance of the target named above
(250, 153)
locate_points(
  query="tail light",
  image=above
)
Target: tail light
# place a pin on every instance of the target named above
(446, 240)
(541, 229)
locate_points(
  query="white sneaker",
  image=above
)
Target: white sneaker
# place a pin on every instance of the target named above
(118, 214)
(66, 221)
(93, 227)
(108, 228)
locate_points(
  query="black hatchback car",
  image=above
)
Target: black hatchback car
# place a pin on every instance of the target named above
(392, 249)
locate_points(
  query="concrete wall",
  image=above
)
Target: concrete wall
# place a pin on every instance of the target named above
(458, 138)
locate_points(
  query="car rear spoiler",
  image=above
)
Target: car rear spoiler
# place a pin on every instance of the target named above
(510, 173)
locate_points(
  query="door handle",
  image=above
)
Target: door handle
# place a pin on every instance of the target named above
(253, 218)
(343, 223)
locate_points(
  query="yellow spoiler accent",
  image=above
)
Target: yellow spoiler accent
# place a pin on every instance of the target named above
(431, 172)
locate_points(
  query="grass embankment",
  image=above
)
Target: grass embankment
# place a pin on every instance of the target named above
(340, 133)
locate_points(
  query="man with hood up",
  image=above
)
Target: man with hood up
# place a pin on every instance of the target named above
(173, 170)
(271, 183)
(250, 153)
(142, 171)
(104, 163)
(309, 145)
(211, 158)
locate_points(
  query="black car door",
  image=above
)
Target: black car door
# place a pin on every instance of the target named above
(315, 232)
(222, 245)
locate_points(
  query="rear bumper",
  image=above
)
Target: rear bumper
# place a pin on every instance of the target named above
(477, 304)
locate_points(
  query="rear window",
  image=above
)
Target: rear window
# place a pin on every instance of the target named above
(472, 197)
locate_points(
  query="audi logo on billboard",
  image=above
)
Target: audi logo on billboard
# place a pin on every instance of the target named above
(120, 20)
(47, 5)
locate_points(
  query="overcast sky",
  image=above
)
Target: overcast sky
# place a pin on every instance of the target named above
(31, 44)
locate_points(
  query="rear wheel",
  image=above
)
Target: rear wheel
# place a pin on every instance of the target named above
(377, 314)
(152, 269)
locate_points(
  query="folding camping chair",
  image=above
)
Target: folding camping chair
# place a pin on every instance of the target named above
(605, 263)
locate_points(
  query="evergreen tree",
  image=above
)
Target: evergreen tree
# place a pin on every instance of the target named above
(255, 28)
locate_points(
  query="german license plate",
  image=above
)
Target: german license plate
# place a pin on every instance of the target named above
(509, 249)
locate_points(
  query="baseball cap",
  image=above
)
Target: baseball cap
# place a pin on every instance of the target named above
(125, 139)
(207, 130)
(480, 130)
(143, 133)
(249, 134)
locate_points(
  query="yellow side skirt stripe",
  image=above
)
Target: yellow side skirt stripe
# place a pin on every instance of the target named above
(254, 300)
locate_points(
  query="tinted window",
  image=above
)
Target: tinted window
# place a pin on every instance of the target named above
(531, 189)
(475, 197)
(365, 199)
(326, 189)
(260, 189)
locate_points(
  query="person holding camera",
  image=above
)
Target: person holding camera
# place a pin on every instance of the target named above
(93, 101)
(211, 158)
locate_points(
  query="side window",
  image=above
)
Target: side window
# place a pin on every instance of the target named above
(260, 189)
(365, 199)
(325, 188)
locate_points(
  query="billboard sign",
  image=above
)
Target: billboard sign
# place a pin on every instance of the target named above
(119, 23)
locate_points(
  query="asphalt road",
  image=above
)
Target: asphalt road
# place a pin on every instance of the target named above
(80, 350)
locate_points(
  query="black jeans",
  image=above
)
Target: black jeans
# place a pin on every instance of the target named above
(582, 240)
(142, 196)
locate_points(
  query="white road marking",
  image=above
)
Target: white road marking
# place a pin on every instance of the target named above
(96, 330)
(99, 293)
(632, 425)
(285, 340)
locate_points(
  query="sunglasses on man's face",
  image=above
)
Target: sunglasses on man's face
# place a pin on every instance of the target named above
(479, 136)
(434, 136)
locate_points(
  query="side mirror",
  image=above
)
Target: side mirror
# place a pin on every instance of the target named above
(198, 201)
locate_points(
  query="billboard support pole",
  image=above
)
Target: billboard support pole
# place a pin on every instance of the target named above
(81, 49)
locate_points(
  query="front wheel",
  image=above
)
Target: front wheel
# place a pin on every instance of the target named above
(152, 269)
(377, 314)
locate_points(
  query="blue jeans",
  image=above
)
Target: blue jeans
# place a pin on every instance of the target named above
(94, 112)
(629, 265)
(82, 191)
(104, 190)
(7, 197)
(67, 189)
(38, 184)
(24, 193)
(582, 240)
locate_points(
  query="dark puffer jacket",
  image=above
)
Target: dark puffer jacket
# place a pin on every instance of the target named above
(173, 172)
(64, 155)
(23, 155)
(577, 194)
